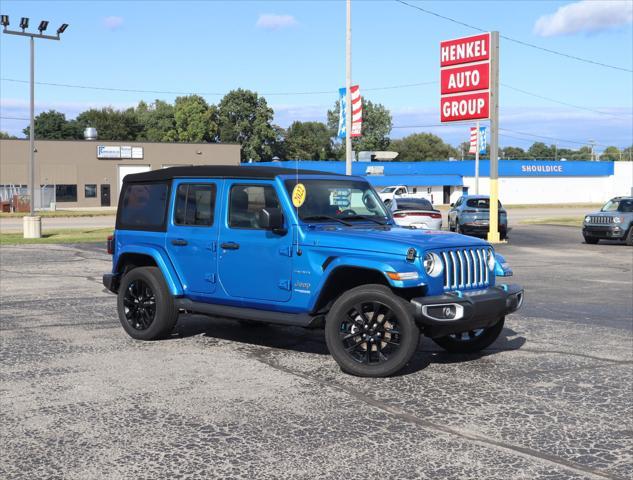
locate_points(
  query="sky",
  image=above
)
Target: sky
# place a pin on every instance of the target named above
(283, 49)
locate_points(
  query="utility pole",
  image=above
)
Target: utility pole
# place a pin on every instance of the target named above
(593, 155)
(32, 224)
(348, 91)
(477, 160)
(493, 232)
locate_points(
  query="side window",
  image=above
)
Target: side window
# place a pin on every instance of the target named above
(245, 203)
(195, 204)
(143, 206)
(400, 191)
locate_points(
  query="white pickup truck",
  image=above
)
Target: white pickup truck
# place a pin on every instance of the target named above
(387, 194)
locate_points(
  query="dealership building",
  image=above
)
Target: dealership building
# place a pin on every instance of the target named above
(520, 181)
(84, 173)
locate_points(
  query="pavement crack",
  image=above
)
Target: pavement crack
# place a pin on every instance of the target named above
(260, 355)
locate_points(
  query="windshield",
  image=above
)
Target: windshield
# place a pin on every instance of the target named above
(483, 203)
(618, 206)
(339, 200)
(387, 189)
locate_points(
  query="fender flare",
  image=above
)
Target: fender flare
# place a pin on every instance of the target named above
(162, 261)
(365, 263)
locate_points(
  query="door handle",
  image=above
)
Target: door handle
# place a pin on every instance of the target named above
(179, 242)
(230, 246)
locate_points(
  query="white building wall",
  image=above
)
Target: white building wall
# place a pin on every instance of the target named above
(543, 189)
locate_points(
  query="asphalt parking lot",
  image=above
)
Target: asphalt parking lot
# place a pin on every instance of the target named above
(551, 399)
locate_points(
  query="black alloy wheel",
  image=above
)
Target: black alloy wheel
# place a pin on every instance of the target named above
(369, 333)
(139, 304)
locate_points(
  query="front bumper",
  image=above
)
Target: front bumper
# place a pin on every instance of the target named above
(604, 231)
(466, 310)
(111, 281)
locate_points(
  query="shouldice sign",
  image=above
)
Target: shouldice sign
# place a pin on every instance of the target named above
(465, 78)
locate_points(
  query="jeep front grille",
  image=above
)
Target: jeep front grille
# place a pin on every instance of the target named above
(465, 268)
(602, 220)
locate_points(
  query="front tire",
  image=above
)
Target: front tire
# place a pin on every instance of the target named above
(471, 341)
(591, 240)
(371, 332)
(629, 237)
(145, 305)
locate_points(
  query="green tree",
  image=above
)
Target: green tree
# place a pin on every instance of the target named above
(308, 141)
(514, 153)
(158, 121)
(583, 153)
(6, 136)
(611, 153)
(245, 118)
(111, 124)
(627, 154)
(422, 146)
(52, 125)
(377, 124)
(539, 150)
(195, 119)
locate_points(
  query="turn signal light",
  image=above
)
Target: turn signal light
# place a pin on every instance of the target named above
(110, 244)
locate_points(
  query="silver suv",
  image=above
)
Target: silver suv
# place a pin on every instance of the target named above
(613, 222)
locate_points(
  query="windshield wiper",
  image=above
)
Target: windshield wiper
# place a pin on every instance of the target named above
(365, 217)
(326, 217)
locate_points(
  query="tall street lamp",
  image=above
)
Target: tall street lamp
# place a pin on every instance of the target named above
(32, 224)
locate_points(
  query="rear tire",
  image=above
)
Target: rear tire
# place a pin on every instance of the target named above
(473, 341)
(591, 240)
(145, 305)
(371, 332)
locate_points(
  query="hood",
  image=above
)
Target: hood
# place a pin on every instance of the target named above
(388, 239)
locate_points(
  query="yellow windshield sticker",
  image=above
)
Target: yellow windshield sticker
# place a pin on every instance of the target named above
(298, 195)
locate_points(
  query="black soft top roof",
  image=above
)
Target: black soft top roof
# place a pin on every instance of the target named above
(218, 171)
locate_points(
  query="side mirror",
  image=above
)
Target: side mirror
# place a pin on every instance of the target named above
(271, 219)
(452, 204)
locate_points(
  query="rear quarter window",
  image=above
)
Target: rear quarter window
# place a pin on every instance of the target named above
(143, 206)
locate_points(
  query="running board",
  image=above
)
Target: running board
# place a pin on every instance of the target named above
(241, 313)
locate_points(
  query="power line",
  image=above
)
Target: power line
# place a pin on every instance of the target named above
(528, 134)
(14, 118)
(520, 42)
(563, 103)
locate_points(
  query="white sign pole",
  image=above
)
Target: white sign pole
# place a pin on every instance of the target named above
(348, 91)
(493, 233)
(477, 161)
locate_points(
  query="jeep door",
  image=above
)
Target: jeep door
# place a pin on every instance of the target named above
(253, 263)
(192, 234)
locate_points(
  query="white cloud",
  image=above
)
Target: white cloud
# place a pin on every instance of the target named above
(585, 16)
(272, 21)
(113, 22)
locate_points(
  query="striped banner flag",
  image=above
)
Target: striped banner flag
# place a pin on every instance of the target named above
(357, 112)
(473, 140)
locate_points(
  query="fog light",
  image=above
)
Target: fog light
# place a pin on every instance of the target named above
(449, 312)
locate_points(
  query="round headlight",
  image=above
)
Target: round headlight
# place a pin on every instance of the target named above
(587, 219)
(432, 264)
(491, 260)
(617, 219)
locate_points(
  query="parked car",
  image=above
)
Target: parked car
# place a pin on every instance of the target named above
(613, 222)
(416, 213)
(387, 194)
(300, 248)
(470, 215)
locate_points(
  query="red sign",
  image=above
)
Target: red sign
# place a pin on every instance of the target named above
(465, 79)
(465, 50)
(469, 106)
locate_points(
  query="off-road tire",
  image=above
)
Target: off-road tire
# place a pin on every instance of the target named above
(484, 340)
(591, 240)
(165, 312)
(629, 237)
(408, 333)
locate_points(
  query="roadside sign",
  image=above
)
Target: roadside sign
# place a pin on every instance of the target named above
(465, 78)
(469, 106)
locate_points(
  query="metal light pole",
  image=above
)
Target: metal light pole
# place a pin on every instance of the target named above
(477, 161)
(348, 91)
(32, 224)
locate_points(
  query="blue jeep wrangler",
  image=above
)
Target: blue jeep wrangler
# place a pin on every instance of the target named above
(302, 248)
